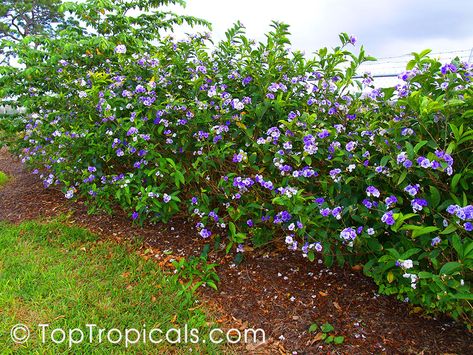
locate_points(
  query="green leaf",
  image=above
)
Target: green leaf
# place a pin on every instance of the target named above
(450, 229)
(425, 275)
(402, 177)
(450, 267)
(327, 328)
(339, 339)
(409, 253)
(455, 181)
(411, 64)
(434, 196)
(419, 145)
(457, 245)
(231, 227)
(423, 230)
(313, 327)
(463, 296)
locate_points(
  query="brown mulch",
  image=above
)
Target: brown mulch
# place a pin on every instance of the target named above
(281, 293)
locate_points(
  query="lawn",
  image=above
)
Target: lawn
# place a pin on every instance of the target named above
(66, 277)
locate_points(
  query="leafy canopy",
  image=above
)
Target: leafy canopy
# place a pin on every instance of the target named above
(19, 19)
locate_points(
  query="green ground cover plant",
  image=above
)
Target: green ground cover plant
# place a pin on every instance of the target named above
(3, 178)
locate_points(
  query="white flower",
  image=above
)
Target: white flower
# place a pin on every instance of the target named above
(407, 264)
(69, 194)
(120, 49)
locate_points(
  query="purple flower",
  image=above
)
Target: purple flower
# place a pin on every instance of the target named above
(249, 223)
(412, 189)
(325, 212)
(352, 39)
(292, 115)
(319, 200)
(367, 203)
(372, 191)
(348, 234)
(468, 226)
(350, 146)
(237, 158)
(418, 203)
(166, 198)
(281, 217)
(336, 212)
(452, 209)
(435, 241)
(205, 233)
(435, 164)
(134, 215)
(401, 157)
(323, 134)
(246, 80)
(391, 200)
(131, 131)
(194, 200)
(448, 159)
(424, 162)
(388, 218)
(446, 68)
(333, 173)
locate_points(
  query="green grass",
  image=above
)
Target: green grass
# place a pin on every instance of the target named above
(67, 277)
(3, 178)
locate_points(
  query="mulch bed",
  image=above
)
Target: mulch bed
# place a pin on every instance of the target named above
(279, 292)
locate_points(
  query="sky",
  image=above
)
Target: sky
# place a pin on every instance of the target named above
(386, 28)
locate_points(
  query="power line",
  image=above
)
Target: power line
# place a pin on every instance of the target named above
(434, 53)
(381, 62)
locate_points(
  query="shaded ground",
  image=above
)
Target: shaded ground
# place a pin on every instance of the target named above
(279, 292)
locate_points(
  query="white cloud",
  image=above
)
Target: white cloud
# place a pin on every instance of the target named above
(384, 27)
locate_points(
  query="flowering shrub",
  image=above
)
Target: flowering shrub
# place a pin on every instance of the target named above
(262, 145)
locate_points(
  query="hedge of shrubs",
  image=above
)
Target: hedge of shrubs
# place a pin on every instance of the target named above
(260, 144)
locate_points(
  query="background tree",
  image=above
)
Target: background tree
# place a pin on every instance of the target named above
(19, 19)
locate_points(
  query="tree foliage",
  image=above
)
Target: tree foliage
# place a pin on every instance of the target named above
(19, 19)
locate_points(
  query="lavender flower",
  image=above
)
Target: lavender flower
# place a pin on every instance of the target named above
(417, 204)
(348, 234)
(388, 218)
(435, 241)
(205, 233)
(120, 49)
(412, 189)
(372, 191)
